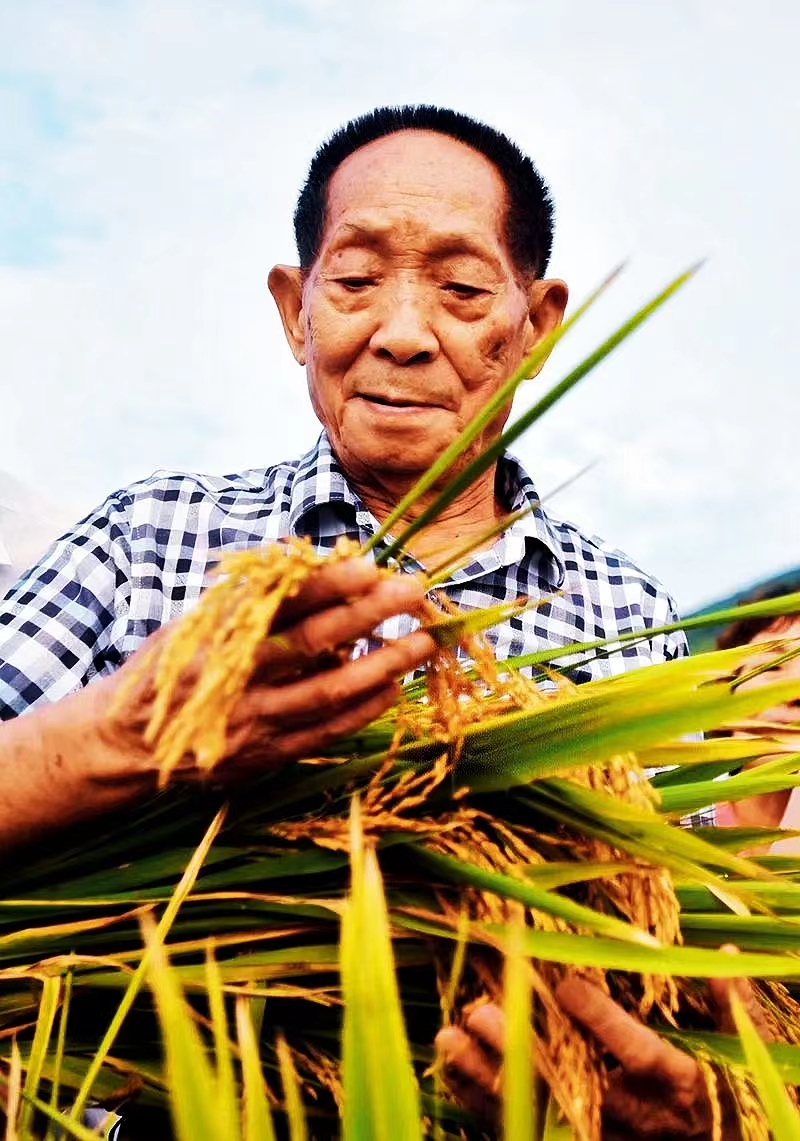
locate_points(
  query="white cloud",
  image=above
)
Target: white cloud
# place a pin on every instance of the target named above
(172, 143)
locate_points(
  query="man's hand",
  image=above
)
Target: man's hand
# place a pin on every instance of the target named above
(302, 695)
(85, 754)
(656, 1092)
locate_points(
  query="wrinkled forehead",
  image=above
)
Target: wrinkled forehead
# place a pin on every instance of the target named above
(418, 177)
(419, 154)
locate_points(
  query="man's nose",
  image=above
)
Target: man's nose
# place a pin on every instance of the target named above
(404, 333)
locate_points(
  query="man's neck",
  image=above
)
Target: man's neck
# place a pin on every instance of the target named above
(466, 519)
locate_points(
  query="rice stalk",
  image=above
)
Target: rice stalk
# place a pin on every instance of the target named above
(485, 798)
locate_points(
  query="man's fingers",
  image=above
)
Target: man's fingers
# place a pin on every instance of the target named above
(722, 991)
(487, 1024)
(307, 742)
(471, 1075)
(313, 698)
(339, 625)
(638, 1049)
(331, 583)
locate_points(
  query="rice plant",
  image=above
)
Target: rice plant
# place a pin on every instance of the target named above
(504, 837)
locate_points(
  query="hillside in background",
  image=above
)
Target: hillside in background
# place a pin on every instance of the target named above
(700, 640)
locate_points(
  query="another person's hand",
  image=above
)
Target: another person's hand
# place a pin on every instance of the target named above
(656, 1092)
(302, 696)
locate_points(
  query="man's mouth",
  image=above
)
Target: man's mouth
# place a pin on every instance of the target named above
(395, 402)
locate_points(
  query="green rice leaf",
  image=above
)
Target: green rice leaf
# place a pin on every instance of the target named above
(197, 1112)
(689, 962)
(450, 630)
(463, 554)
(557, 873)
(683, 762)
(784, 1121)
(639, 832)
(484, 417)
(381, 1097)
(755, 932)
(51, 992)
(490, 454)
(457, 967)
(182, 890)
(678, 801)
(225, 1080)
(777, 895)
(58, 1062)
(538, 898)
(519, 1105)
(737, 839)
(256, 1117)
(554, 1128)
(615, 955)
(769, 608)
(608, 717)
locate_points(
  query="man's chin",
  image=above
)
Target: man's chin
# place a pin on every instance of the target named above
(394, 447)
(407, 466)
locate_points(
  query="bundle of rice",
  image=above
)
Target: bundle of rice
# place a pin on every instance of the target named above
(501, 810)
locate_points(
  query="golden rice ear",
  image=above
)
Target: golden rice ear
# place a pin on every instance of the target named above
(491, 803)
(193, 705)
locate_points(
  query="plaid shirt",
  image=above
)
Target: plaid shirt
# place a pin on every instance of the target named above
(144, 557)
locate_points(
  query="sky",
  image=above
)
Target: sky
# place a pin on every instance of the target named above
(150, 156)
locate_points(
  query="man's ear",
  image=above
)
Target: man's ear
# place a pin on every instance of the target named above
(547, 300)
(286, 286)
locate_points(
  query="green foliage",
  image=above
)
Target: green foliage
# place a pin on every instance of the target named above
(263, 968)
(781, 1113)
(381, 1098)
(271, 909)
(519, 1100)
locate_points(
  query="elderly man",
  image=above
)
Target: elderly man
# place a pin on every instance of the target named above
(423, 241)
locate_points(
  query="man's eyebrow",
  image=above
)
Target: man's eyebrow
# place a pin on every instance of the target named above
(355, 232)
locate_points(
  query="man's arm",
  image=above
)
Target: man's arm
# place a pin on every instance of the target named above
(85, 754)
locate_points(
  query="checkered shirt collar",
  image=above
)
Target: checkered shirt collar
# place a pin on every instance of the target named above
(320, 481)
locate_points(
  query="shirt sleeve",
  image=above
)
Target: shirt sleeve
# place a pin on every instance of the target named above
(57, 622)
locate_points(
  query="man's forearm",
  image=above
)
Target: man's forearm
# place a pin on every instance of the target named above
(86, 755)
(57, 767)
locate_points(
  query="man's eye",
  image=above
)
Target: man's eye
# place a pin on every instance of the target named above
(462, 290)
(355, 282)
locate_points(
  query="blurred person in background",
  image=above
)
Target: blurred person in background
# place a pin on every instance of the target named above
(769, 809)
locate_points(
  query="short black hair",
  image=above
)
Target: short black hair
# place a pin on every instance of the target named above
(744, 630)
(530, 214)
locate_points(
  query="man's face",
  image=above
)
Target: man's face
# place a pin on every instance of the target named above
(413, 314)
